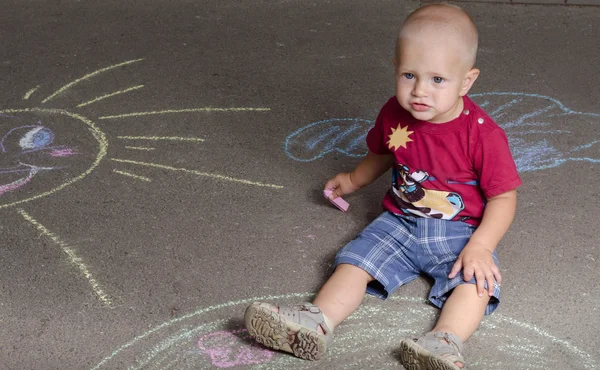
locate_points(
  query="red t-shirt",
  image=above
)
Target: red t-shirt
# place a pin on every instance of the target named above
(443, 170)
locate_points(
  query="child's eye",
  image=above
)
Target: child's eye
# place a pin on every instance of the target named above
(409, 76)
(438, 80)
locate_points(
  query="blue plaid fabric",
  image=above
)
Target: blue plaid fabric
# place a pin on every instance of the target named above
(396, 249)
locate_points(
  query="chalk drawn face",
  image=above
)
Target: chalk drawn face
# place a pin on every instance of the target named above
(44, 150)
(40, 152)
(62, 147)
(542, 132)
(430, 80)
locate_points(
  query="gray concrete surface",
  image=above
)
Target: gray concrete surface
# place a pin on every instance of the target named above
(143, 252)
(544, 2)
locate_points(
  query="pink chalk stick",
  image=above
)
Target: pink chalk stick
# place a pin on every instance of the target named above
(338, 202)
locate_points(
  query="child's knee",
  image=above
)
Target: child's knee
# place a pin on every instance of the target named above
(354, 271)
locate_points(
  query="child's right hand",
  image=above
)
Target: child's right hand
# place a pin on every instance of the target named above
(340, 185)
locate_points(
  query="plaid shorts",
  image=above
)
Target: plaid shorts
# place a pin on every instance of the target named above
(396, 249)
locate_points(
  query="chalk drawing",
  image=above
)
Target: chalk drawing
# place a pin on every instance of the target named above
(215, 337)
(191, 110)
(343, 135)
(199, 173)
(159, 138)
(125, 173)
(37, 141)
(30, 92)
(87, 144)
(73, 258)
(148, 149)
(226, 349)
(87, 77)
(66, 152)
(110, 95)
(15, 149)
(542, 132)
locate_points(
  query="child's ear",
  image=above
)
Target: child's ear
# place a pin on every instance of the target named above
(468, 81)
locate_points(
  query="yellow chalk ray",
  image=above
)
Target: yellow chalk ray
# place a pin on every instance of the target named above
(110, 95)
(158, 138)
(73, 259)
(139, 148)
(28, 93)
(194, 172)
(95, 73)
(187, 110)
(143, 178)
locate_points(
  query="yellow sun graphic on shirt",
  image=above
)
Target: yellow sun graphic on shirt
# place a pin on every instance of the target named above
(399, 137)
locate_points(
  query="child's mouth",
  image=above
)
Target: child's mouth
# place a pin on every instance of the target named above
(419, 107)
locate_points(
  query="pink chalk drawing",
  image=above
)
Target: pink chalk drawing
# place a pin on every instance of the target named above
(229, 348)
(66, 152)
(17, 184)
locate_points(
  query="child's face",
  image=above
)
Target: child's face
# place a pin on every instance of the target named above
(431, 77)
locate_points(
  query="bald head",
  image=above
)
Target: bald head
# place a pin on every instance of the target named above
(442, 23)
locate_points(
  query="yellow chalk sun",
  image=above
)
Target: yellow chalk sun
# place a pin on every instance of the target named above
(27, 155)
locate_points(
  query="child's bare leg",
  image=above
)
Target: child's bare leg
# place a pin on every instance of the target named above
(307, 330)
(460, 317)
(462, 312)
(342, 293)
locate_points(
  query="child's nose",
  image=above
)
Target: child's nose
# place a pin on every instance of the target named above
(420, 89)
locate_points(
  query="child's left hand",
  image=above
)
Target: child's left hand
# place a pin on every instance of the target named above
(476, 260)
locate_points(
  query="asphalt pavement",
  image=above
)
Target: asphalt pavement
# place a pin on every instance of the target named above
(162, 165)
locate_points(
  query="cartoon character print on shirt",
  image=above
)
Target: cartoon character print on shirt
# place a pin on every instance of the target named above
(408, 192)
(413, 198)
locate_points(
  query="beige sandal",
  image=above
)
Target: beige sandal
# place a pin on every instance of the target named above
(433, 351)
(292, 329)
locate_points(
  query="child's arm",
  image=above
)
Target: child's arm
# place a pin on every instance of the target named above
(476, 258)
(367, 171)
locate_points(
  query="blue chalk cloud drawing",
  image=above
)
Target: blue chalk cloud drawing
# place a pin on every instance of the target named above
(542, 132)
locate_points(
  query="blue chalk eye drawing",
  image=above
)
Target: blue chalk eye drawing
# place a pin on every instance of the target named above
(29, 138)
(541, 131)
(37, 138)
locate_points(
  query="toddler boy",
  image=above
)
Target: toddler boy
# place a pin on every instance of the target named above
(452, 199)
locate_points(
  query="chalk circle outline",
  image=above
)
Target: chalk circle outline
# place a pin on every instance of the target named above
(425, 310)
(96, 133)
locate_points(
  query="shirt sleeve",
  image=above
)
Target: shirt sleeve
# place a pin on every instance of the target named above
(376, 135)
(495, 165)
